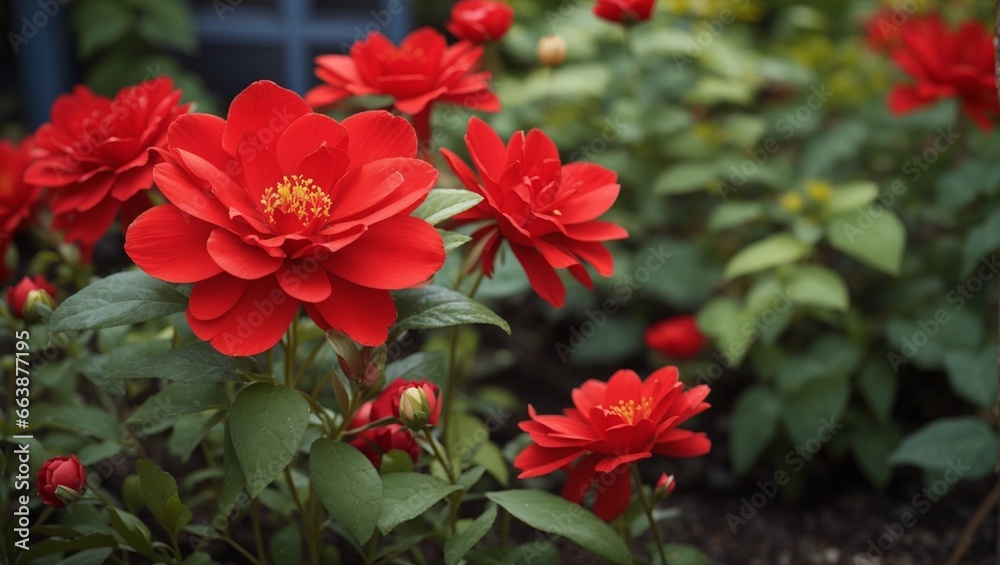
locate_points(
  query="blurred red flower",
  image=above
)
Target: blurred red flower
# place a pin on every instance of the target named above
(278, 206)
(422, 71)
(624, 11)
(97, 155)
(677, 337)
(17, 295)
(480, 21)
(546, 210)
(376, 442)
(387, 402)
(946, 64)
(61, 480)
(882, 28)
(611, 426)
(16, 196)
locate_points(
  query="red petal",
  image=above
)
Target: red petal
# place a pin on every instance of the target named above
(364, 314)
(614, 491)
(596, 231)
(265, 109)
(200, 134)
(304, 136)
(541, 275)
(254, 325)
(306, 281)
(693, 445)
(536, 461)
(378, 135)
(623, 385)
(396, 253)
(486, 148)
(580, 479)
(364, 193)
(215, 296)
(168, 244)
(239, 258)
(182, 192)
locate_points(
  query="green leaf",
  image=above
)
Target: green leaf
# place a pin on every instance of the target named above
(167, 23)
(981, 240)
(235, 480)
(682, 554)
(726, 321)
(453, 240)
(877, 241)
(132, 530)
(871, 446)
(120, 299)
(459, 544)
(348, 486)
(95, 556)
(176, 399)
(80, 419)
(408, 495)
(104, 370)
(286, 544)
(466, 436)
(429, 365)
(686, 177)
(437, 307)
(491, 457)
(190, 430)
(926, 340)
(877, 384)
(814, 285)
(851, 197)
(813, 411)
(553, 514)
(733, 214)
(194, 363)
(973, 376)
(443, 203)
(267, 423)
(157, 488)
(772, 251)
(100, 23)
(965, 444)
(52, 546)
(176, 514)
(396, 461)
(755, 420)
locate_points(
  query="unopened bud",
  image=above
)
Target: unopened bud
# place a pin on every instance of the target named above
(551, 50)
(664, 486)
(414, 409)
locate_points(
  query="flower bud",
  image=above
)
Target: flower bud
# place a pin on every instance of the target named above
(414, 410)
(23, 297)
(551, 50)
(664, 486)
(61, 481)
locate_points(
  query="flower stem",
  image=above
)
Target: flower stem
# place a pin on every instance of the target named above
(455, 499)
(258, 538)
(648, 508)
(633, 62)
(310, 531)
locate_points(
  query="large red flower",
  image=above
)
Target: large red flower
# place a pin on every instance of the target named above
(16, 196)
(422, 71)
(277, 206)
(946, 64)
(480, 21)
(546, 210)
(624, 11)
(611, 426)
(97, 155)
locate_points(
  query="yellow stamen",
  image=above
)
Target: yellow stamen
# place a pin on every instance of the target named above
(630, 411)
(299, 196)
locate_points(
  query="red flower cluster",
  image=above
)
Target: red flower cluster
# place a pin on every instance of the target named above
(677, 337)
(375, 442)
(61, 481)
(624, 11)
(545, 210)
(422, 71)
(611, 426)
(278, 206)
(17, 295)
(480, 21)
(16, 196)
(97, 155)
(946, 64)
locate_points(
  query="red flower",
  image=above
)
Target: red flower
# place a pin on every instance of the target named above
(387, 403)
(18, 295)
(376, 442)
(480, 21)
(882, 28)
(61, 481)
(665, 485)
(677, 337)
(946, 64)
(422, 71)
(611, 426)
(544, 209)
(278, 206)
(16, 196)
(624, 11)
(97, 155)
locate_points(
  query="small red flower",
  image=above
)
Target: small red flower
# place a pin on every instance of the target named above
(882, 28)
(61, 481)
(480, 21)
(665, 485)
(277, 207)
(946, 64)
(624, 11)
(388, 401)
(611, 426)
(545, 210)
(16, 196)
(97, 155)
(419, 73)
(18, 295)
(376, 442)
(677, 337)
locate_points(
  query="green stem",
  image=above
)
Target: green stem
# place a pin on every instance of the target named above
(372, 547)
(309, 361)
(445, 462)
(633, 62)
(246, 554)
(647, 507)
(455, 499)
(310, 532)
(290, 354)
(258, 538)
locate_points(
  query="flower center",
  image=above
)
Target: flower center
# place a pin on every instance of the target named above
(299, 196)
(630, 411)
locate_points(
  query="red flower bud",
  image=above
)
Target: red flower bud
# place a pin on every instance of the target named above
(677, 337)
(665, 486)
(61, 481)
(20, 295)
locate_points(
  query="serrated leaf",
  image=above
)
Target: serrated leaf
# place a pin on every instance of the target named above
(553, 514)
(443, 203)
(120, 299)
(348, 486)
(267, 423)
(438, 307)
(408, 495)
